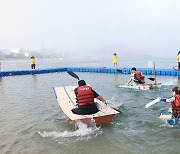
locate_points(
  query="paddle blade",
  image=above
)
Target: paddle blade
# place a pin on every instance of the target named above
(73, 74)
(153, 102)
(119, 71)
(152, 79)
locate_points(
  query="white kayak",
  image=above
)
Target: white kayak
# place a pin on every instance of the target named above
(66, 99)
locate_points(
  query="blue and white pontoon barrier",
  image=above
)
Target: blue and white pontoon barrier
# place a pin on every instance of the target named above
(146, 71)
(26, 72)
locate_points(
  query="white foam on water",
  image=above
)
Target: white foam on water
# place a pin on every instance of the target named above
(114, 103)
(82, 131)
(166, 81)
(169, 83)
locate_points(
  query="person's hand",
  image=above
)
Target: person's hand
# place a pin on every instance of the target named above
(104, 102)
(162, 99)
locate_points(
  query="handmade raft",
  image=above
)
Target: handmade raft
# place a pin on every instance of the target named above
(167, 116)
(66, 99)
(140, 86)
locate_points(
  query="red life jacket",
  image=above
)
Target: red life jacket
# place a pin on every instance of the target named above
(139, 76)
(176, 106)
(85, 95)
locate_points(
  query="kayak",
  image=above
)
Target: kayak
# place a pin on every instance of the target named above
(67, 101)
(140, 86)
(176, 68)
(167, 116)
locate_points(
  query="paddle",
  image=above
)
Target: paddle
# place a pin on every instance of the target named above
(152, 79)
(75, 76)
(153, 102)
(119, 71)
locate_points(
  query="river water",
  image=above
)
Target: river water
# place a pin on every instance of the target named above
(32, 121)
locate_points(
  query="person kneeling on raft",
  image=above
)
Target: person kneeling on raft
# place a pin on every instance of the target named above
(136, 76)
(85, 99)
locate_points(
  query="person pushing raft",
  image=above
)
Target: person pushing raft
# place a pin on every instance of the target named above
(136, 76)
(175, 103)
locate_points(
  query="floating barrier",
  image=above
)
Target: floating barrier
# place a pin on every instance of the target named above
(145, 71)
(26, 72)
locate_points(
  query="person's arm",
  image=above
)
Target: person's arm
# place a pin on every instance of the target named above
(101, 99)
(96, 95)
(129, 81)
(75, 91)
(168, 100)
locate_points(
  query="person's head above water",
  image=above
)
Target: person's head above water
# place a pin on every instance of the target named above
(176, 90)
(134, 68)
(81, 83)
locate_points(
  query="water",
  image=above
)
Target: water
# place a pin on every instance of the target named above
(32, 121)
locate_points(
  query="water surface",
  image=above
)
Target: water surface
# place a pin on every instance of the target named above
(32, 121)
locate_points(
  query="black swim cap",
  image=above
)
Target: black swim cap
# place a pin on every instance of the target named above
(134, 68)
(81, 83)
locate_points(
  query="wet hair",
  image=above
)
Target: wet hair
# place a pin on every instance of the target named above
(134, 68)
(81, 83)
(115, 54)
(176, 90)
(32, 57)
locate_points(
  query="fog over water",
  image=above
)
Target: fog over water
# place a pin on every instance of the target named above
(92, 28)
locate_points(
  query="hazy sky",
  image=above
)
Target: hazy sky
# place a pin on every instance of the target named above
(147, 27)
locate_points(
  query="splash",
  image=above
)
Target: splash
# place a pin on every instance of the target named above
(82, 131)
(114, 103)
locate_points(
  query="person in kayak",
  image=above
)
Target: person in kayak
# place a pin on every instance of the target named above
(136, 76)
(85, 99)
(175, 102)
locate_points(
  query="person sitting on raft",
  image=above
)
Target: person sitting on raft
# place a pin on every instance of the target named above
(136, 76)
(175, 102)
(85, 99)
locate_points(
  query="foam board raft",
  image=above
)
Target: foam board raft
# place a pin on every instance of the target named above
(140, 86)
(167, 116)
(66, 99)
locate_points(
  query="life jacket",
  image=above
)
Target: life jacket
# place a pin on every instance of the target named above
(85, 95)
(176, 106)
(139, 76)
